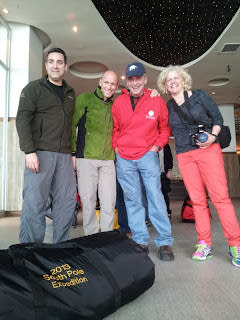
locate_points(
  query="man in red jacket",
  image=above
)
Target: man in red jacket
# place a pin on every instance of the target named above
(140, 130)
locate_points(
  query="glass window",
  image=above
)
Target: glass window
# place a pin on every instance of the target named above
(2, 110)
(4, 91)
(3, 43)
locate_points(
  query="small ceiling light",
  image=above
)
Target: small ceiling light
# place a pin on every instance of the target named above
(213, 92)
(218, 82)
(123, 77)
(75, 29)
(5, 10)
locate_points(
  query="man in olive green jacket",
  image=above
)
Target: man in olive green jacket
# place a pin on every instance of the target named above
(95, 156)
(43, 123)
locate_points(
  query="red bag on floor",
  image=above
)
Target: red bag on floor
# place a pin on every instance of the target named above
(187, 211)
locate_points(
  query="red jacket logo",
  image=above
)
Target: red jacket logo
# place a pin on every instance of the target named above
(150, 115)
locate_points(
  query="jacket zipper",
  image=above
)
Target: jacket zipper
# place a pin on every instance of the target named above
(106, 129)
(64, 123)
(64, 114)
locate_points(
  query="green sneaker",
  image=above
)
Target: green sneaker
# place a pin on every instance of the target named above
(203, 251)
(235, 253)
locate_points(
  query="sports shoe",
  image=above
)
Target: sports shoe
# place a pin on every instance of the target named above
(235, 253)
(203, 251)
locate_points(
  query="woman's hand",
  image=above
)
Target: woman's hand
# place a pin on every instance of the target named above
(154, 93)
(211, 139)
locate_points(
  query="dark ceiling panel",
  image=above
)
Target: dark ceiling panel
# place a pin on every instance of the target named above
(167, 32)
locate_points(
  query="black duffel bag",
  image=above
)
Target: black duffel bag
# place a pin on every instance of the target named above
(83, 278)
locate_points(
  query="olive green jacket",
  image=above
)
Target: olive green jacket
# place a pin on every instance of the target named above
(43, 121)
(93, 118)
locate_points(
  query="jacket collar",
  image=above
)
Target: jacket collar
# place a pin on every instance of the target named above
(45, 82)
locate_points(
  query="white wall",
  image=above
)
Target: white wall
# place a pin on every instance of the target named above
(19, 64)
(26, 62)
(35, 57)
(26, 65)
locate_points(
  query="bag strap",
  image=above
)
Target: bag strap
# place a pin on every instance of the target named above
(182, 115)
(189, 107)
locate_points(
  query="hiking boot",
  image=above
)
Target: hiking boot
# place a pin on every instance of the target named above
(235, 253)
(203, 251)
(144, 248)
(165, 253)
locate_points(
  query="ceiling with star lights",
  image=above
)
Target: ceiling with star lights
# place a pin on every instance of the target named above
(109, 34)
(167, 31)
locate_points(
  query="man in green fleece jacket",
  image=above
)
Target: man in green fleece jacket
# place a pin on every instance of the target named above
(44, 125)
(93, 154)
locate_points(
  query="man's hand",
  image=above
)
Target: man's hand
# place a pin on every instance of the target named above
(169, 174)
(154, 148)
(32, 162)
(74, 162)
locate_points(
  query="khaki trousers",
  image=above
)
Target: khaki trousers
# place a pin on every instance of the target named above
(97, 175)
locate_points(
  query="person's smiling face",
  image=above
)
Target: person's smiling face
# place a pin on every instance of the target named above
(108, 84)
(174, 83)
(136, 85)
(55, 67)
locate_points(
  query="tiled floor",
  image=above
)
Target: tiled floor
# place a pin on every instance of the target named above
(183, 289)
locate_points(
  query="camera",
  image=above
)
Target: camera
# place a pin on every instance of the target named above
(199, 136)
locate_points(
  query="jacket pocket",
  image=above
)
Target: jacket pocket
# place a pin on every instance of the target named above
(41, 128)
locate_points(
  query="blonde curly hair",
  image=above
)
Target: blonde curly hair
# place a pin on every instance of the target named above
(161, 82)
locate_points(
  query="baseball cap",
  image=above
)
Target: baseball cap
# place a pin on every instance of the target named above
(135, 69)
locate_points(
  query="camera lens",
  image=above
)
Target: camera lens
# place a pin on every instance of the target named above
(202, 137)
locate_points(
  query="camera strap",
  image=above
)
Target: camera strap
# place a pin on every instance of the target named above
(182, 115)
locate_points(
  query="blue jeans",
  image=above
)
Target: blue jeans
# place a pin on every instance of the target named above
(122, 212)
(130, 173)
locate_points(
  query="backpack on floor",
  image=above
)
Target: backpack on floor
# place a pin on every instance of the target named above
(187, 211)
(84, 278)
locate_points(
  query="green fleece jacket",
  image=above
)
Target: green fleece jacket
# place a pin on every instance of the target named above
(43, 121)
(93, 118)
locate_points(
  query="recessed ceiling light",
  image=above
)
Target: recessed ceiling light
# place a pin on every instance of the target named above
(213, 92)
(88, 69)
(75, 29)
(123, 77)
(218, 82)
(5, 10)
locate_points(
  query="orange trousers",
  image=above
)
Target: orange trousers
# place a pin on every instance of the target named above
(201, 169)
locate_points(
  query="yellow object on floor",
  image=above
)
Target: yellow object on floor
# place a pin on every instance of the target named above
(115, 225)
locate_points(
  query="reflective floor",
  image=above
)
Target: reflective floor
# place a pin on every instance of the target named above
(183, 289)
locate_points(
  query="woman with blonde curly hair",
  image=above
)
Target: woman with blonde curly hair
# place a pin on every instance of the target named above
(196, 121)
